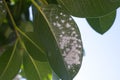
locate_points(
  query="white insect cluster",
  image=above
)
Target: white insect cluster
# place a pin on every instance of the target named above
(68, 38)
(70, 44)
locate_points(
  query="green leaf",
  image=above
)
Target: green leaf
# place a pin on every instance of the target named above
(35, 70)
(2, 12)
(52, 1)
(8, 35)
(10, 61)
(45, 70)
(46, 2)
(26, 26)
(102, 24)
(90, 8)
(31, 39)
(55, 77)
(22, 72)
(20, 8)
(61, 39)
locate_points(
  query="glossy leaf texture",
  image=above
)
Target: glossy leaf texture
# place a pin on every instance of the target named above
(61, 39)
(10, 61)
(90, 8)
(30, 38)
(102, 24)
(36, 70)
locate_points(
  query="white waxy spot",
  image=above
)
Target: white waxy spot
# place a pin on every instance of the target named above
(64, 53)
(58, 24)
(63, 32)
(79, 40)
(70, 18)
(74, 42)
(56, 17)
(54, 23)
(69, 67)
(61, 35)
(80, 46)
(76, 35)
(61, 13)
(64, 15)
(73, 33)
(64, 41)
(63, 21)
(72, 28)
(68, 25)
(60, 28)
(67, 49)
(73, 70)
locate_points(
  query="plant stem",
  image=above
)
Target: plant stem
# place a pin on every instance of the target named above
(17, 30)
(11, 17)
(39, 8)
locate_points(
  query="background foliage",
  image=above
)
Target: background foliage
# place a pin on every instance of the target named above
(48, 46)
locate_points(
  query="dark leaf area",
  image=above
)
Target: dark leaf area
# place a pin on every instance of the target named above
(10, 61)
(52, 1)
(102, 24)
(2, 12)
(7, 35)
(20, 10)
(31, 40)
(90, 8)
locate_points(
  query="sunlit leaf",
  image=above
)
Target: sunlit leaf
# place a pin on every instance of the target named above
(35, 70)
(61, 39)
(10, 62)
(90, 8)
(22, 73)
(102, 24)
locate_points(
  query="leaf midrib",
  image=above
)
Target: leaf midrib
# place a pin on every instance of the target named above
(11, 57)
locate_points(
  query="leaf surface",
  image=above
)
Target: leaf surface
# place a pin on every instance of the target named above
(31, 40)
(102, 24)
(61, 39)
(2, 12)
(52, 1)
(10, 62)
(55, 77)
(90, 8)
(36, 70)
